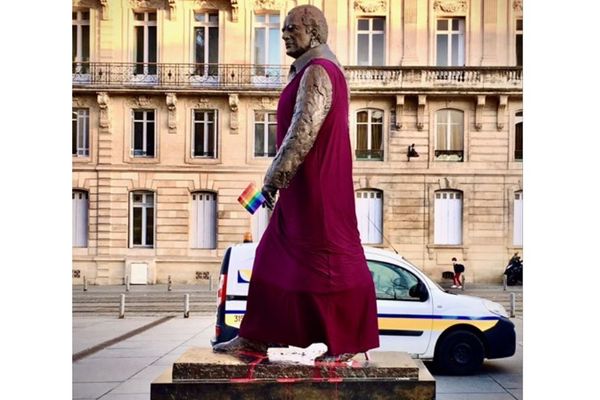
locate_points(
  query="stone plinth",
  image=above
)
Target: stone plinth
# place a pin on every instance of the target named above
(201, 374)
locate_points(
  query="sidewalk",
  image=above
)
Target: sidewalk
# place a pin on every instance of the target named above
(125, 369)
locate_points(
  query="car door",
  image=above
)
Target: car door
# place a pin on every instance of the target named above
(405, 320)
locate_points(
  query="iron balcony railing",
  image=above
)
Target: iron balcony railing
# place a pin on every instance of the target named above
(250, 76)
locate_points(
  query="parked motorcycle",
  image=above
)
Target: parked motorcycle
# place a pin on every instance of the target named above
(514, 271)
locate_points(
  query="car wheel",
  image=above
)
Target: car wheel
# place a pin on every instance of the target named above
(459, 353)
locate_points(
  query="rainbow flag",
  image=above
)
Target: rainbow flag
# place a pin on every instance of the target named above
(251, 198)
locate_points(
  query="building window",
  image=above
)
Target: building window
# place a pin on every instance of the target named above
(267, 46)
(369, 215)
(204, 140)
(519, 42)
(449, 128)
(518, 219)
(143, 133)
(448, 217)
(206, 43)
(450, 42)
(265, 133)
(80, 132)
(80, 218)
(370, 43)
(519, 136)
(369, 135)
(146, 47)
(260, 220)
(81, 42)
(204, 224)
(141, 219)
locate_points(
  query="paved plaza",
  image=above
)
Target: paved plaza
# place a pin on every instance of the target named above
(125, 369)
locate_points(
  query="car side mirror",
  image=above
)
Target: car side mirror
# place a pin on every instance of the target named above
(419, 291)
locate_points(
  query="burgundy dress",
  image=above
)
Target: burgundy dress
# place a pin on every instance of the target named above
(310, 281)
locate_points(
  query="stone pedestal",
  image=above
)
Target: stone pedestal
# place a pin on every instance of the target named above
(201, 374)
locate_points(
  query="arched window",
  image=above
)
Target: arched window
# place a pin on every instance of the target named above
(141, 219)
(80, 218)
(519, 136)
(518, 219)
(369, 215)
(449, 133)
(369, 134)
(204, 220)
(448, 217)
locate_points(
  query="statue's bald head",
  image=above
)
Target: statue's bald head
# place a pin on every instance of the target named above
(313, 20)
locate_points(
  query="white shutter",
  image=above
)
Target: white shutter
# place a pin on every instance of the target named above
(447, 218)
(369, 206)
(204, 215)
(518, 220)
(455, 218)
(80, 218)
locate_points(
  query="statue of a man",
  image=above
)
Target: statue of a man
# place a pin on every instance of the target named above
(310, 281)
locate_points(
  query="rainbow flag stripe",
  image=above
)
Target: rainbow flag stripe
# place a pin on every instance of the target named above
(251, 199)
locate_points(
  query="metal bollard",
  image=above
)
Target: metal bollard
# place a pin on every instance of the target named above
(186, 306)
(122, 307)
(210, 283)
(504, 283)
(170, 283)
(127, 283)
(84, 284)
(513, 298)
(462, 282)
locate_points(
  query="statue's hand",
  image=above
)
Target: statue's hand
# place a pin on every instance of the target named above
(269, 192)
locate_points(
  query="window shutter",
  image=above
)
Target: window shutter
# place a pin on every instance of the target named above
(369, 205)
(80, 219)
(448, 218)
(204, 214)
(518, 220)
(260, 220)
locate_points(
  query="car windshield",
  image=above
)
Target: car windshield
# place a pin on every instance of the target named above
(417, 268)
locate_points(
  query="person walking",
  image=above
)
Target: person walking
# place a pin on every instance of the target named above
(458, 270)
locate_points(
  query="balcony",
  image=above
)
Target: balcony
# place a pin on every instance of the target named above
(249, 77)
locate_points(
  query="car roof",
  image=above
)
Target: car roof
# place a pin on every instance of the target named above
(371, 252)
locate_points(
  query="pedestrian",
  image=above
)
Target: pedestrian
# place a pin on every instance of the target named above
(458, 270)
(310, 280)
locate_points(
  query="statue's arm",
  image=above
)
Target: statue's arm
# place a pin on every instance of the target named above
(313, 102)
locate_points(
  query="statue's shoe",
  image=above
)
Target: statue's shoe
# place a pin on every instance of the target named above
(340, 358)
(240, 345)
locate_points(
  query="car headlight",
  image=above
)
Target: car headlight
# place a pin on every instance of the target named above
(495, 308)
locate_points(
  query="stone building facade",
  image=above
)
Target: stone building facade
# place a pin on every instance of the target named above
(173, 116)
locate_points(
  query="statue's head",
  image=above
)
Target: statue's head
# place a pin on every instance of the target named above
(304, 28)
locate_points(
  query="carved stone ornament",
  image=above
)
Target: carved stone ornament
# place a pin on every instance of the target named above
(267, 103)
(399, 110)
(370, 6)
(501, 113)
(86, 3)
(479, 112)
(234, 102)
(421, 111)
(142, 101)
(267, 4)
(171, 5)
(103, 101)
(148, 3)
(80, 102)
(205, 103)
(209, 5)
(518, 5)
(450, 6)
(172, 112)
(235, 9)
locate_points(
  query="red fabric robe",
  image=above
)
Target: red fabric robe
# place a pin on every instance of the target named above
(310, 280)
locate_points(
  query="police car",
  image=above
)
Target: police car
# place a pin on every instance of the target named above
(415, 314)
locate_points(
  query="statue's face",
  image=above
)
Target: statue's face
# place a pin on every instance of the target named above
(295, 37)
